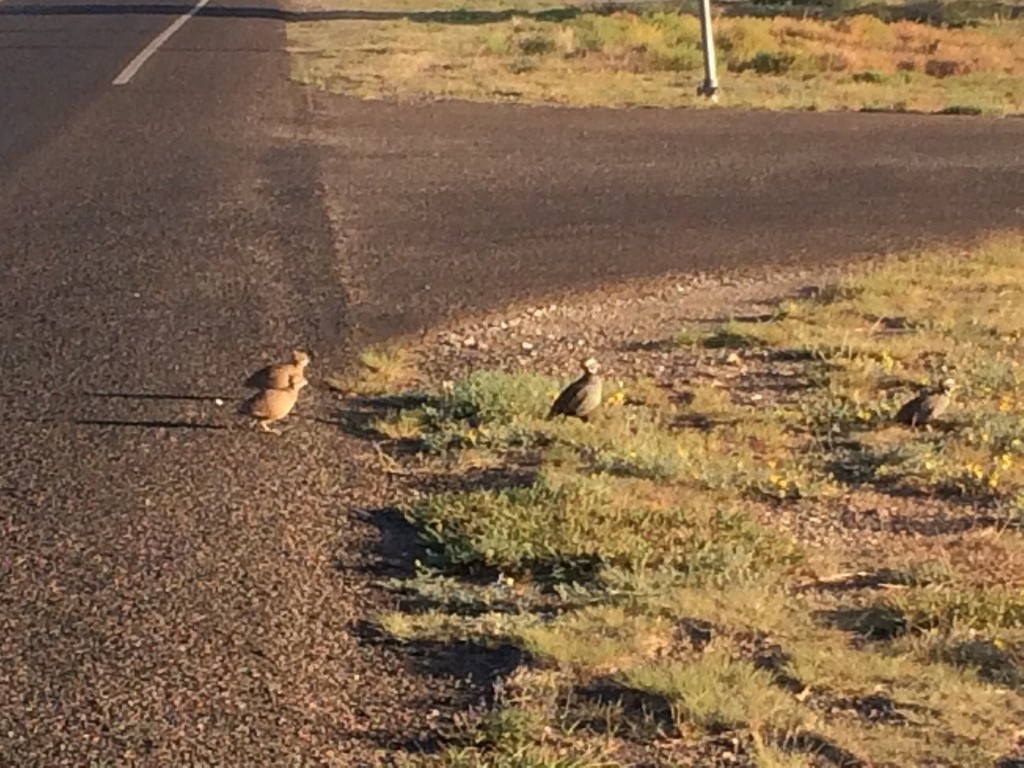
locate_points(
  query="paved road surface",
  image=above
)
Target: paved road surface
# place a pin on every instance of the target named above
(511, 201)
(168, 585)
(168, 588)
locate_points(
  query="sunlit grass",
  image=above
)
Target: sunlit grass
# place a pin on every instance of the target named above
(653, 58)
(639, 557)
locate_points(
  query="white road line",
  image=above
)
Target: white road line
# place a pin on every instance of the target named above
(136, 64)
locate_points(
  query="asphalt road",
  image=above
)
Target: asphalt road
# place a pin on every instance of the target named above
(170, 589)
(490, 204)
(174, 589)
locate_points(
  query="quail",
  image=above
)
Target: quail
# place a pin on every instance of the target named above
(583, 396)
(928, 405)
(278, 375)
(272, 405)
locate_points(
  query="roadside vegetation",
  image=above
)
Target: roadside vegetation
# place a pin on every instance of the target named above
(964, 58)
(703, 575)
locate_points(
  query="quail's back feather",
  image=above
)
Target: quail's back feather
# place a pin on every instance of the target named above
(580, 398)
(279, 375)
(925, 407)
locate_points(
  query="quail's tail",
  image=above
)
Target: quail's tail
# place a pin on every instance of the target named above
(258, 380)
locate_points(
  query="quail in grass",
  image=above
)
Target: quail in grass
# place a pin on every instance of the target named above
(278, 375)
(928, 405)
(583, 396)
(272, 405)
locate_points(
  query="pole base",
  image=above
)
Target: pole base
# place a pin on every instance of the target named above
(709, 90)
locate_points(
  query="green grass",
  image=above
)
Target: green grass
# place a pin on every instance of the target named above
(544, 53)
(634, 563)
(579, 526)
(719, 692)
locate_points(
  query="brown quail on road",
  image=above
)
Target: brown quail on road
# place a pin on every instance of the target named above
(272, 405)
(583, 396)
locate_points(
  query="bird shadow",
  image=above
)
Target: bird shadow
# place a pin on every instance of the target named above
(149, 424)
(157, 396)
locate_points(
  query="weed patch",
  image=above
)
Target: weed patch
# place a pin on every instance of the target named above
(642, 575)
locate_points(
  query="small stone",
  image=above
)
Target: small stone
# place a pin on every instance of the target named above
(527, 346)
(733, 358)
(469, 341)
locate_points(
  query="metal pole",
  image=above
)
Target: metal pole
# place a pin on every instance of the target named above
(709, 87)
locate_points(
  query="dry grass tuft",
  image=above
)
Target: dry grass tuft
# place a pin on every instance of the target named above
(381, 369)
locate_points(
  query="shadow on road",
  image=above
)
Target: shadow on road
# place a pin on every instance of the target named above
(148, 424)
(458, 16)
(158, 396)
(932, 12)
